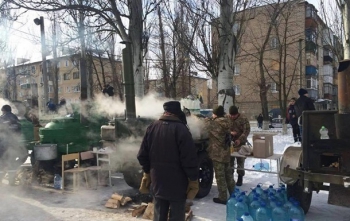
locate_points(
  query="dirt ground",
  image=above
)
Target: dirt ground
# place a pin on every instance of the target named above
(20, 203)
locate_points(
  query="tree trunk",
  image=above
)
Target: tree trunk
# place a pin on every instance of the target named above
(135, 33)
(226, 56)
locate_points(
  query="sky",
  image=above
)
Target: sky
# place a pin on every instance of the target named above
(25, 35)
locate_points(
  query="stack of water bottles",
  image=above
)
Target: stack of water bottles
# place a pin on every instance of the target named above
(270, 204)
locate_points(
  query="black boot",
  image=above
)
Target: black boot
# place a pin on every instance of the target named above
(239, 181)
(218, 200)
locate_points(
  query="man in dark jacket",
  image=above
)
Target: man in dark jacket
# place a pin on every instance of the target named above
(293, 120)
(9, 119)
(303, 103)
(168, 158)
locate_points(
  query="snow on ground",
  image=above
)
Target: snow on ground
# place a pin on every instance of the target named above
(19, 204)
(320, 210)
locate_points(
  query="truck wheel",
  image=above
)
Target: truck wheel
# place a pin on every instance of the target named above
(298, 193)
(133, 178)
(205, 174)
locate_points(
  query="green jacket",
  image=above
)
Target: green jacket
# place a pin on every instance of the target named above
(217, 129)
(242, 127)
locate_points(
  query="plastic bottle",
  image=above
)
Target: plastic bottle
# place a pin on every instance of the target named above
(280, 196)
(324, 133)
(253, 207)
(271, 189)
(230, 208)
(295, 214)
(259, 190)
(247, 217)
(263, 214)
(57, 182)
(239, 219)
(241, 208)
(279, 214)
(263, 165)
(245, 198)
(251, 195)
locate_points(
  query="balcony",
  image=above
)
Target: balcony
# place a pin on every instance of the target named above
(327, 56)
(313, 93)
(311, 71)
(310, 46)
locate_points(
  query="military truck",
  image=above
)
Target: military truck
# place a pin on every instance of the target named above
(322, 164)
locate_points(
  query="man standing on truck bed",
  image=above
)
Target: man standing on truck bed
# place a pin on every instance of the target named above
(240, 129)
(303, 103)
(168, 157)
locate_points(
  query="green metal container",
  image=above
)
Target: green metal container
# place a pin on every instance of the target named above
(70, 135)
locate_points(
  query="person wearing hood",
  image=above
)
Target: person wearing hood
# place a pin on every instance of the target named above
(168, 157)
(218, 150)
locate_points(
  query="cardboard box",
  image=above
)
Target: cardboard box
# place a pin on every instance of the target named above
(262, 145)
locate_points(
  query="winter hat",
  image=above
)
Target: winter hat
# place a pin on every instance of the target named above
(219, 111)
(6, 108)
(233, 110)
(302, 91)
(174, 107)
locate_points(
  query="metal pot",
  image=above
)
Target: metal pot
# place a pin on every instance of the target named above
(45, 152)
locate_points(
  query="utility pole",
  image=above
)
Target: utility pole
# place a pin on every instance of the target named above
(346, 17)
(301, 62)
(40, 22)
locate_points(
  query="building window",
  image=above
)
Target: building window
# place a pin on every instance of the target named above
(58, 64)
(311, 83)
(76, 88)
(237, 69)
(66, 76)
(310, 12)
(75, 75)
(68, 89)
(58, 77)
(67, 63)
(273, 87)
(274, 42)
(237, 89)
(50, 89)
(59, 90)
(33, 69)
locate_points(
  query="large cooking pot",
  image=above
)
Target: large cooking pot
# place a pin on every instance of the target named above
(45, 152)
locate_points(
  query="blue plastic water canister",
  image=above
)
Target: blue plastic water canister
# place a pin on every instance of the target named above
(295, 214)
(239, 219)
(263, 214)
(241, 208)
(271, 189)
(280, 196)
(251, 195)
(263, 165)
(57, 182)
(259, 190)
(288, 204)
(264, 196)
(254, 206)
(230, 208)
(245, 198)
(273, 202)
(247, 217)
(279, 214)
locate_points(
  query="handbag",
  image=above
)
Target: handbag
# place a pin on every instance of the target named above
(246, 149)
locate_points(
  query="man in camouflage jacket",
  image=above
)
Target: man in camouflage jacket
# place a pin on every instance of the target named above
(218, 127)
(240, 129)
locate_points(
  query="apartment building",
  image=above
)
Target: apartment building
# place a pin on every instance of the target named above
(24, 82)
(297, 54)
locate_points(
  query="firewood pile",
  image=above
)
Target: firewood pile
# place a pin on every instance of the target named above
(116, 201)
(146, 211)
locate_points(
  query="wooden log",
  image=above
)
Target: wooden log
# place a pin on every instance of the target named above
(117, 196)
(114, 201)
(189, 216)
(112, 205)
(137, 212)
(149, 213)
(125, 200)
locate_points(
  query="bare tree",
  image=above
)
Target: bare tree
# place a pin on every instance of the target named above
(113, 13)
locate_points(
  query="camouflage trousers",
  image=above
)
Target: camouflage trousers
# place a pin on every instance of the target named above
(224, 179)
(239, 161)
